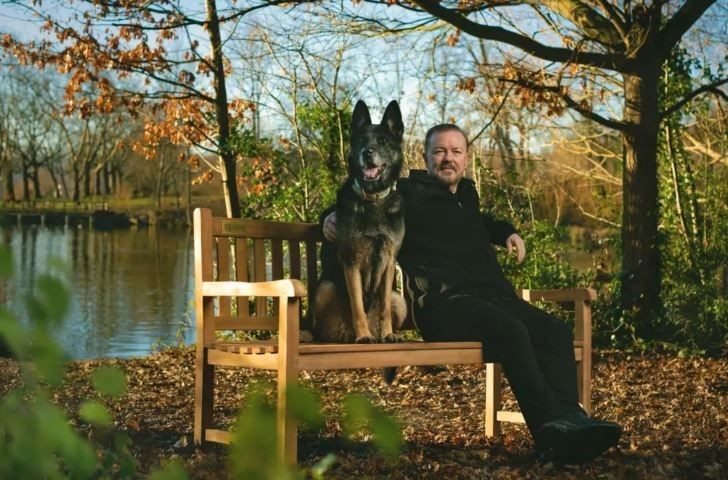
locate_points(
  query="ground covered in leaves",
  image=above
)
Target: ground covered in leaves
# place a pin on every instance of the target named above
(674, 412)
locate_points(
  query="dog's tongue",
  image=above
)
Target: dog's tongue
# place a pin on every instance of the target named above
(371, 172)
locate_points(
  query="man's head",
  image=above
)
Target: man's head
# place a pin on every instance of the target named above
(446, 154)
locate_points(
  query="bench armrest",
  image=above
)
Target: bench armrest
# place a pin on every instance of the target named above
(275, 288)
(560, 295)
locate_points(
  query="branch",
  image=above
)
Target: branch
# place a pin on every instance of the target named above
(495, 115)
(537, 49)
(676, 27)
(571, 103)
(712, 88)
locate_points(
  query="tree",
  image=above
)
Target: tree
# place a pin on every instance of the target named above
(91, 39)
(630, 39)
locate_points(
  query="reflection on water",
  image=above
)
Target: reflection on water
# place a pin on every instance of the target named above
(130, 289)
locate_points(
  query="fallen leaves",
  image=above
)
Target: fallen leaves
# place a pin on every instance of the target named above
(673, 410)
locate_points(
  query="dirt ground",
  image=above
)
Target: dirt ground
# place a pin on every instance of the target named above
(674, 412)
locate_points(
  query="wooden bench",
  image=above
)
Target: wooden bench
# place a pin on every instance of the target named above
(256, 275)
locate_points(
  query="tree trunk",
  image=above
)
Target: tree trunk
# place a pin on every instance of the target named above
(159, 183)
(56, 184)
(87, 180)
(37, 194)
(97, 182)
(107, 184)
(640, 253)
(227, 159)
(9, 190)
(26, 183)
(76, 185)
(64, 184)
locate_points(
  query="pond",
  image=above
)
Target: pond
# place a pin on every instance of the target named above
(131, 290)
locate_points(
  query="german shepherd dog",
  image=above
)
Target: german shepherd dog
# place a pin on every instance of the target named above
(355, 301)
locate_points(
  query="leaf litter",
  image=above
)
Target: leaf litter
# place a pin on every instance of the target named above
(674, 412)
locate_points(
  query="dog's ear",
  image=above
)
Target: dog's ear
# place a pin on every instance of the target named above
(360, 117)
(392, 119)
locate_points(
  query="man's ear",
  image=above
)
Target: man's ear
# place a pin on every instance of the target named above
(392, 119)
(360, 117)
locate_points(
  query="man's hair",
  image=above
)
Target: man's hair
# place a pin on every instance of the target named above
(445, 127)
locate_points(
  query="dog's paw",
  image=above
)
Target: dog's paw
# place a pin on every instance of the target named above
(364, 339)
(393, 338)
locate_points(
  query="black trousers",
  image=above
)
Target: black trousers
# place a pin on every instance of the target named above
(535, 349)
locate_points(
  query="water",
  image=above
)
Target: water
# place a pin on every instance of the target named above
(131, 290)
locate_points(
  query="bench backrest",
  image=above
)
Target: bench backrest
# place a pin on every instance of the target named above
(252, 250)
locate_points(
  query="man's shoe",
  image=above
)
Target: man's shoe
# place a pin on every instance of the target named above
(576, 438)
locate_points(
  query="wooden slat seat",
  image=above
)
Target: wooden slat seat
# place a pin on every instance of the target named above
(255, 275)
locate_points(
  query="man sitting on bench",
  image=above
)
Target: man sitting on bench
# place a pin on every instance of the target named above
(457, 292)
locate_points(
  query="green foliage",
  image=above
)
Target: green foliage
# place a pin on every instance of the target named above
(693, 196)
(282, 182)
(360, 414)
(253, 453)
(694, 223)
(544, 265)
(95, 413)
(109, 380)
(37, 440)
(171, 470)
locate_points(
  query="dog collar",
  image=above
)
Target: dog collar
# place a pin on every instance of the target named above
(372, 197)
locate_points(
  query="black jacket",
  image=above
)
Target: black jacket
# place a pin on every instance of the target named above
(447, 249)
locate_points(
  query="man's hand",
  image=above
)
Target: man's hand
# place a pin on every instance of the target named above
(515, 241)
(329, 227)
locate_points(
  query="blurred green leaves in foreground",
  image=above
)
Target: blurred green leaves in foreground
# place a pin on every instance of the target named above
(38, 440)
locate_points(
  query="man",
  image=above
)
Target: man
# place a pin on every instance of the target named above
(457, 291)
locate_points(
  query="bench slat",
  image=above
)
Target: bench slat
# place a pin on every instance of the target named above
(294, 256)
(223, 271)
(262, 229)
(241, 274)
(260, 274)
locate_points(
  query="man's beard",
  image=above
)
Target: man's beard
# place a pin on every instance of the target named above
(451, 178)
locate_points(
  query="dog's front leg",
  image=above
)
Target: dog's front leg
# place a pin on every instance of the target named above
(385, 297)
(352, 274)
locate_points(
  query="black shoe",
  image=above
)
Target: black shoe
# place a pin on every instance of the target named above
(575, 438)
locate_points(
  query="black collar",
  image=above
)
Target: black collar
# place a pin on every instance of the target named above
(372, 197)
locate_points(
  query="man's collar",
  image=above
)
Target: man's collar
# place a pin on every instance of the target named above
(372, 197)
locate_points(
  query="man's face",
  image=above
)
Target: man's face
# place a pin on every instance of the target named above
(447, 157)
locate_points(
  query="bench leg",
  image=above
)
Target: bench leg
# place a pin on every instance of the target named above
(287, 426)
(584, 367)
(583, 378)
(204, 395)
(492, 399)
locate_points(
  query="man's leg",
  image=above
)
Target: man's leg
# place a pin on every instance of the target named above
(553, 344)
(505, 340)
(561, 429)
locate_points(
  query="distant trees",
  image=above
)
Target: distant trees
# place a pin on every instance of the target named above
(129, 54)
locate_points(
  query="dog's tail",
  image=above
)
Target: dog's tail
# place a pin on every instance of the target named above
(388, 374)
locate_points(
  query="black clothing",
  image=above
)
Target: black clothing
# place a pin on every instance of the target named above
(456, 291)
(535, 349)
(447, 246)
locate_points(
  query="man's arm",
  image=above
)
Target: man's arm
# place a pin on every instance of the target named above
(504, 234)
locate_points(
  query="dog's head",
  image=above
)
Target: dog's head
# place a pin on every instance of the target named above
(375, 156)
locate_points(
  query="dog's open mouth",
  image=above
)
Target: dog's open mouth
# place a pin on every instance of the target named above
(373, 173)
